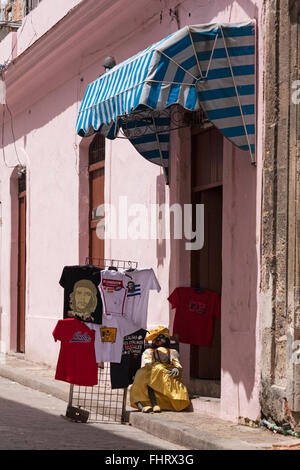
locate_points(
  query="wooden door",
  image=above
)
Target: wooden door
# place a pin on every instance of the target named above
(96, 175)
(21, 265)
(206, 264)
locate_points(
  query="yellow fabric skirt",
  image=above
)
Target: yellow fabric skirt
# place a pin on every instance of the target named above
(170, 392)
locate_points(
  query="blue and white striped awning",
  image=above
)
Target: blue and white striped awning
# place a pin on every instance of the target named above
(204, 66)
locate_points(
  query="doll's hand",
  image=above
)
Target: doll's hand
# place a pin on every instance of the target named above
(174, 372)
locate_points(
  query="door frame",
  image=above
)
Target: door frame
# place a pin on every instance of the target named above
(21, 263)
(95, 163)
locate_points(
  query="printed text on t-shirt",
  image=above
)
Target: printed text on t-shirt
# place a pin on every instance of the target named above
(80, 338)
(198, 307)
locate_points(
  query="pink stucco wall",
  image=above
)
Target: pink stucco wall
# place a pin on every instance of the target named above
(41, 19)
(44, 111)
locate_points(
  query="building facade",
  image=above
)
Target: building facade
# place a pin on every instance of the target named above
(280, 390)
(52, 181)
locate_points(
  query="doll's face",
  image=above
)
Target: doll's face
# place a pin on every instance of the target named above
(160, 340)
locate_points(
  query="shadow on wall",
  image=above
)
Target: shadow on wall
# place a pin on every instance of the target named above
(240, 276)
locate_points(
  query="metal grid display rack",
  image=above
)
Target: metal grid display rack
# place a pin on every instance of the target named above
(100, 403)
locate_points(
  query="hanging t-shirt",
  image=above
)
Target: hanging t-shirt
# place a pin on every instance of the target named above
(109, 337)
(82, 299)
(122, 374)
(194, 317)
(139, 283)
(113, 292)
(76, 361)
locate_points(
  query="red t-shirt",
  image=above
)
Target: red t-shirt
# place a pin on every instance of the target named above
(77, 360)
(194, 317)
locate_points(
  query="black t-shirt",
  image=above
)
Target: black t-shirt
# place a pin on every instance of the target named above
(82, 299)
(122, 374)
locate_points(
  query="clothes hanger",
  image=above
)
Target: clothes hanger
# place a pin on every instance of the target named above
(112, 267)
(130, 269)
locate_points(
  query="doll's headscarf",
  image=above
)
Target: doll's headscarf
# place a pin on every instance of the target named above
(160, 330)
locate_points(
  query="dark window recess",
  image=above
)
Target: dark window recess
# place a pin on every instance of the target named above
(30, 5)
(97, 150)
(22, 182)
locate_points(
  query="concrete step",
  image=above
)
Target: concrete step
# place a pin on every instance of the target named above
(207, 405)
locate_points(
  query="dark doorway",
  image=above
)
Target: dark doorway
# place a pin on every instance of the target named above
(21, 263)
(206, 264)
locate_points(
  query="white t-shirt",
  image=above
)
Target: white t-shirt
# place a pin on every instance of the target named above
(107, 351)
(113, 292)
(136, 306)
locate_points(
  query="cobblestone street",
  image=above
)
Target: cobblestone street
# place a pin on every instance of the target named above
(31, 420)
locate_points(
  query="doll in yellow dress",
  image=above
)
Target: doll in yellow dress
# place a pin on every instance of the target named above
(158, 385)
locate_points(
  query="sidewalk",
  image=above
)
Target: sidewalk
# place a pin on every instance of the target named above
(194, 430)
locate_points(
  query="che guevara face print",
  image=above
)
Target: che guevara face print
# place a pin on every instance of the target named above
(83, 300)
(130, 286)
